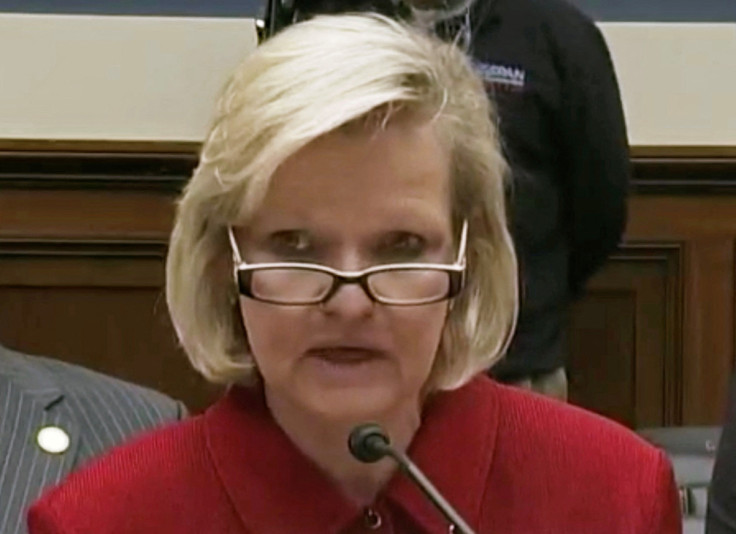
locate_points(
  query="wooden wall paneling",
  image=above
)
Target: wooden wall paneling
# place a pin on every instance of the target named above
(90, 194)
(85, 215)
(80, 166)
(708, 332)
(690, 195)
(602, 351)
(82, 247)
(98, 304)
(707, 225)
(83, 231)
(624, 351)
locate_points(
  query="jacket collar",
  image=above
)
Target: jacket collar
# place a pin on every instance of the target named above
(30, 375)
(274, 487)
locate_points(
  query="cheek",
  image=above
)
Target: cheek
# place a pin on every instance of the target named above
(273, 332)
(417, 333)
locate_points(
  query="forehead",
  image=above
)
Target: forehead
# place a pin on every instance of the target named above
(400, 170)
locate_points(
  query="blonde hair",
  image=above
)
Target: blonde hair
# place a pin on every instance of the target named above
(305, 82)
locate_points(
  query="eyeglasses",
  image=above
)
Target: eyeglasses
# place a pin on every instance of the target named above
(398, 284)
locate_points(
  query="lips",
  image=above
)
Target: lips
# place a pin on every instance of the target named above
(345, 355)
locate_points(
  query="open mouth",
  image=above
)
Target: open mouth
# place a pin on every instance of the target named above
(347, 367)
(345, 355)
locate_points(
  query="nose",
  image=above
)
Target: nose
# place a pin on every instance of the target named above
(350, 301)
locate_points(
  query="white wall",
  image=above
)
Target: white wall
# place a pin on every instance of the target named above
(678, 81)
(114, 78)
(153, 78)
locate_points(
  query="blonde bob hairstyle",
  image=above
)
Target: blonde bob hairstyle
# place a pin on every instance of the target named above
(312, 78)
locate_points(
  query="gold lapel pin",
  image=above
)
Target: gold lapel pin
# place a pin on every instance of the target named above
(53, 440)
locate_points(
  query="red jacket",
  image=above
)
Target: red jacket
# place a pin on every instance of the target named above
(510, 462)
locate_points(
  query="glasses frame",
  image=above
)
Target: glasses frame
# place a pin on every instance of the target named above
(243, 273)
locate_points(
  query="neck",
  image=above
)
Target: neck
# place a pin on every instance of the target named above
(324, 441)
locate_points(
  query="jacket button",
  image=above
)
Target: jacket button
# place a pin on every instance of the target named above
(53, 440)
(372, 519)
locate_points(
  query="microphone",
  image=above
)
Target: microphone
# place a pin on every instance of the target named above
(369, 443)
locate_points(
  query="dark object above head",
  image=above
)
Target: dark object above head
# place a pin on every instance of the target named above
(282, 13)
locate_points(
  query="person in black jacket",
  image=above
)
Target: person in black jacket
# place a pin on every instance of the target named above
(721, 515)
(548, 70)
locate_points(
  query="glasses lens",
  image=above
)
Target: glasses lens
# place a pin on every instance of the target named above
(290, 285)
(409, 286)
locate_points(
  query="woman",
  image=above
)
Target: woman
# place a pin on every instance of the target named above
(340, 257)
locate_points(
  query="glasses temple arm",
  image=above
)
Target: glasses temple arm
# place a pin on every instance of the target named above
(463, 243)
(234, 246)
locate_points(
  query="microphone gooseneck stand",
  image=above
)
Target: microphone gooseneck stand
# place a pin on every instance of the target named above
(369, 443)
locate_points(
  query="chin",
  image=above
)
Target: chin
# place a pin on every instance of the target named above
(353, 404)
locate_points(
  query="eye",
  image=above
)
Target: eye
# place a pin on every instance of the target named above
(291, 244)
(402, 247)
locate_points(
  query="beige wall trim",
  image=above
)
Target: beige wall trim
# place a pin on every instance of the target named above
(98, 146)
(192, 147)
(690, 152)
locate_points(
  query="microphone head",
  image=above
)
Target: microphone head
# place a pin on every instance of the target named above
(368, 443)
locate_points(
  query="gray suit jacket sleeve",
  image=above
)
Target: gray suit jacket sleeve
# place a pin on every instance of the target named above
(96, 412)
